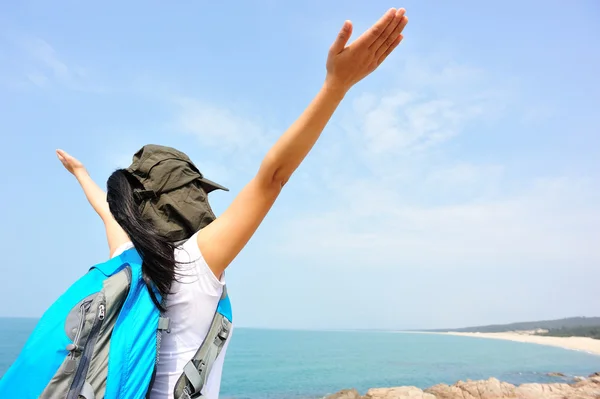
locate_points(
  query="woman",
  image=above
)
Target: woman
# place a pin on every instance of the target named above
(191, 276)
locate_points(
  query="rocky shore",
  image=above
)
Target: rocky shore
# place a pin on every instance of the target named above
(583, 388)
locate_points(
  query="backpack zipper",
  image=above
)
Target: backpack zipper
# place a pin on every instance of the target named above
(74, 348)
(88, 348)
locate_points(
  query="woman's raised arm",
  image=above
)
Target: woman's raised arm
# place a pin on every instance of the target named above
(115, 235)
(222, 240)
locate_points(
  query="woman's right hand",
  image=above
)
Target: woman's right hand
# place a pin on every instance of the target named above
(115, 234)
(72, 164)
(347, 65)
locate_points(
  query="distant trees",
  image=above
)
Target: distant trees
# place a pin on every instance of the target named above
(581, 331)
(568, 327)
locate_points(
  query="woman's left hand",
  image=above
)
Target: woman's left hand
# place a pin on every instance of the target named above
(347, 65)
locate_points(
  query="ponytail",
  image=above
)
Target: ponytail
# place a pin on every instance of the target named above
(157, 253)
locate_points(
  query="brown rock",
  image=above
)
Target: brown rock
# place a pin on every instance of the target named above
(556, 375)
(546, 391)
(398, 393)
(345, 394)
(595, 375)
(582, 390)
(490, 389)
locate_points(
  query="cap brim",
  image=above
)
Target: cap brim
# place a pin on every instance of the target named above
(210, 185)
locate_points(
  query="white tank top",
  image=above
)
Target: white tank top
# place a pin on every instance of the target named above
(190, 308)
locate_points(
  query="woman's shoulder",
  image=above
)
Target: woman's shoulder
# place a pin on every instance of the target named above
(191, 262)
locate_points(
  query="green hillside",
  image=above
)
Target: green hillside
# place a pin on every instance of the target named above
(591, 332)
(566, 326)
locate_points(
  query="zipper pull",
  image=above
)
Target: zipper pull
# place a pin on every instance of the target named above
(74, 348)
(101, 313)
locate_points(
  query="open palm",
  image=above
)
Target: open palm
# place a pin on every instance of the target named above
(347, 65)
(70, 163)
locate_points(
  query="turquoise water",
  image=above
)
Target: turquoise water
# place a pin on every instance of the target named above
(271, 364)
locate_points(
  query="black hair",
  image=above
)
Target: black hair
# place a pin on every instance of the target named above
(157, 253)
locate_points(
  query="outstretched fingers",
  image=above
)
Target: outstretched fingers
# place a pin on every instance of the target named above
(392, 38)
(70, 163)
(63, 158)
(377, 30)
(389, 50)
(385, 39)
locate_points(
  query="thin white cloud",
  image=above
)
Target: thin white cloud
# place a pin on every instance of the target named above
(538, 226)
(219, 128)
(403, 123)
(38, 79)
(433, 106)
(45, 54)
(44, 67)
(409, 201)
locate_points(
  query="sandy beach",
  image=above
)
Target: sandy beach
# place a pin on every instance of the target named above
(583, 344)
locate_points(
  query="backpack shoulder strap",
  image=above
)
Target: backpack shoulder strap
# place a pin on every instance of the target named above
(129, 257)
(196, 371)
(163, 327)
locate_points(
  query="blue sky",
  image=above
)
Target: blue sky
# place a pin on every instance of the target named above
(457, 185)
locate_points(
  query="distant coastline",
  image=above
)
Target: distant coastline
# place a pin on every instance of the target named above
(571, 326)
(574, 333)
(583, 344)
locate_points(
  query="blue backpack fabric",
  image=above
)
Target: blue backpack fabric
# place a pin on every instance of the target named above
(98, 340)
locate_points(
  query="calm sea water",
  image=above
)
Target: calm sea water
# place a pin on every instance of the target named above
(270, 364)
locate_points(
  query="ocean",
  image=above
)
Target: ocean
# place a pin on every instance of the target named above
(274, 364)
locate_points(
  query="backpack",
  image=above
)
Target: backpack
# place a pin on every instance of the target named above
(101, 339)
(83, 345)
